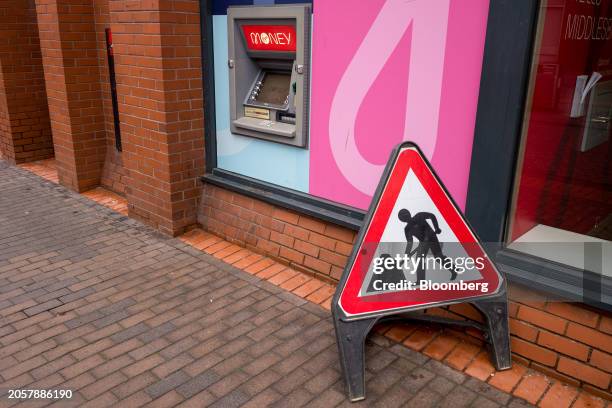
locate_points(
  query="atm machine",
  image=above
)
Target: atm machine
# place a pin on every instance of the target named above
(268, 60)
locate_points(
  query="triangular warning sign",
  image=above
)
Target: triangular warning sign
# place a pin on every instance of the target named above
(415, 249)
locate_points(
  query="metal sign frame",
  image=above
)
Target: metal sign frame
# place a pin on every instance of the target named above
(110, 56)
(351, 332)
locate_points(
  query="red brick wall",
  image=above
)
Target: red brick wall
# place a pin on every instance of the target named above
(25, 132)
(566, 340)
(72, 77)
(157, 57)
(301, 241)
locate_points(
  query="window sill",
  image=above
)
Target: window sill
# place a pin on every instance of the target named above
(303, 203)
(562, 282)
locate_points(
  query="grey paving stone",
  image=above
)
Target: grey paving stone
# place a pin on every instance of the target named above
(519, 403)
(416, 379)
(381, 360)
(329, 398)
(292, 381)
(322, 380)
(261, 363)
(263, 399)
(460, 397)
(482, 402)
(198, 383)
(426, 397)
(169, 383)
(156, 332)
(42, 307)
(260, 382)
(487, 391)
(298, 398)
(380, 382)
(446, 371)
(441, 385)
(234, 399)
(111, 318)
(129, 333)
(409, 354)
(397, 396)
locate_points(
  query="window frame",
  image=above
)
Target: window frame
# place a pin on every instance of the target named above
(504, 96)
(301, 202)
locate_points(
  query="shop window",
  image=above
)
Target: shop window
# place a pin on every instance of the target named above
(308, 119)
(562, 200)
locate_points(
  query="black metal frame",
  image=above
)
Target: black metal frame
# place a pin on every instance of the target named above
(504, 82)
(113, 86)
(499, 118)
(351, 335)
(351, 332)
(208, 84)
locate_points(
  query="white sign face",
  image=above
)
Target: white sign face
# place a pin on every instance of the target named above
(414, 198)
(415, 249)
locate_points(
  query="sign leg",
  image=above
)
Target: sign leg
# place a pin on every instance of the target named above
(350, 336)
(496, 313)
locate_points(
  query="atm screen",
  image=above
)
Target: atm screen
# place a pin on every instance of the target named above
(274, 88)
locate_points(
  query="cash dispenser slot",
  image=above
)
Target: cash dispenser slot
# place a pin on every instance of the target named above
(268, 56)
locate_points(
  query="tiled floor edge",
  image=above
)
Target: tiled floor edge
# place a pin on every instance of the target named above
(47, 169)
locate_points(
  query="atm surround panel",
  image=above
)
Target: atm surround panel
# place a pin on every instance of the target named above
(269, 89)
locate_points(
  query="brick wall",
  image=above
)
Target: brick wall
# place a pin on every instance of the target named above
(157, 57)
(72, 77)
(565, 340)
(568, 341)
(303, 242)
(25, 132)
(69, 29)
(157, 49)
(158, 69)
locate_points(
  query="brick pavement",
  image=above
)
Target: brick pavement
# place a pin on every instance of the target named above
(97, 303)
(462, 350)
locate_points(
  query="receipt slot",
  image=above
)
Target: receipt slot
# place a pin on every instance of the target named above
(269, 51)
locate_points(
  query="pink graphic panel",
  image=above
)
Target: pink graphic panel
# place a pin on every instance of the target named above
(387, 71)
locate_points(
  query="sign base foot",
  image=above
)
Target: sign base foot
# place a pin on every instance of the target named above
(350, 336)
(495, 311)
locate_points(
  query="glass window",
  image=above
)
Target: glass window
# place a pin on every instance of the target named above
(562, 197)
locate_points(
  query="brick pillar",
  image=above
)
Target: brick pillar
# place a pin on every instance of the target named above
(72, 77)
(158, 68)
(25, 132)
